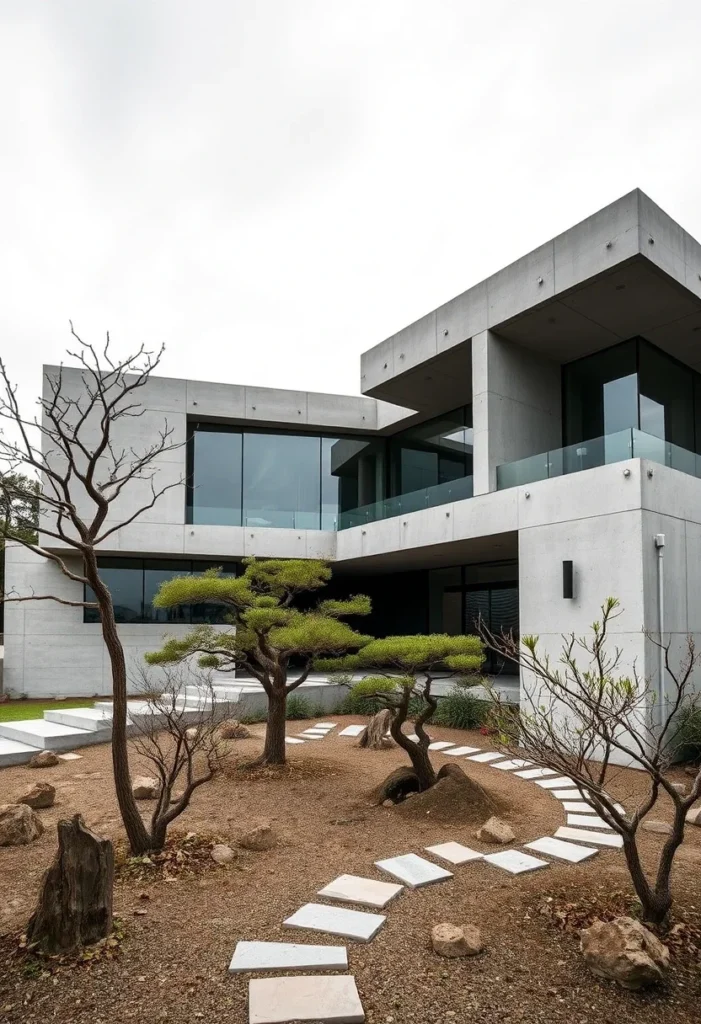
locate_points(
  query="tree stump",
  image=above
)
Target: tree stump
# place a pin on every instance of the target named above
(75, 904)
(374, 737)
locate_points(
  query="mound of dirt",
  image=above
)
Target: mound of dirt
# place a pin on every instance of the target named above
(454, 798)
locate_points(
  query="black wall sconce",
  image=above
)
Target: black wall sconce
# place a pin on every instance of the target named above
(567, 579)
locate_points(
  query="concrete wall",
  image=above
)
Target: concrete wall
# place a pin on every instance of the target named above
(516, 406)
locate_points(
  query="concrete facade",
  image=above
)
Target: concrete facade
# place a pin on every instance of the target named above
(629, 270)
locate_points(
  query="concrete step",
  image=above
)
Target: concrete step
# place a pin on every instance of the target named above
(36, 732)
(12, 752)
(92, 719)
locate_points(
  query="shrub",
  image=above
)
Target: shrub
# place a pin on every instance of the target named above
(461, 710)
(688, 737)
(360, 699)
(300, 707)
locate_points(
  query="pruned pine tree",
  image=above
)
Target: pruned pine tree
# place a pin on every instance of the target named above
(270, 638)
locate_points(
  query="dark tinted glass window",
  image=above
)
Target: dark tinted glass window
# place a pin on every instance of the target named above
(352, 475)
(125, 579)
(215, 492)
(666, 397)
(431, 453)
(600, 394)
(282, 481)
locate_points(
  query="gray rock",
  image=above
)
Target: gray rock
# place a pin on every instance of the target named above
(223, 854)
(44, 759)
(19, 825)
(260, 838)
(693, 816)
(233, 730)
(624, 951)
(145, 788)
(657, 826)
(453, 940)
(495, 831)
(38, 796)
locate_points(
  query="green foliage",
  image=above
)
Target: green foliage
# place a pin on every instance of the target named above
(362, 699)
(459, 709)
(414, 654)
(302, 708)
(688, 736)
(358, 605)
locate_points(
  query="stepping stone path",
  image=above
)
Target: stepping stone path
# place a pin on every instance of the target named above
(351, 924)
(287, 956)
(288, 1000)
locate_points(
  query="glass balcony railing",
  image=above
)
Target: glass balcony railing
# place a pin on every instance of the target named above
(427, 497)
(598, 451)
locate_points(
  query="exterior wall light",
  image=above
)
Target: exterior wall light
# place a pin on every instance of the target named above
(568, 579)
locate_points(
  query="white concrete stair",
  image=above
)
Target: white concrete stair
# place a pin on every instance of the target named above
(37, 732)
(13, 752)
(92, 719)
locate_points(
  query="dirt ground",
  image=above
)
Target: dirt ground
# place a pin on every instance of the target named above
(172, 962)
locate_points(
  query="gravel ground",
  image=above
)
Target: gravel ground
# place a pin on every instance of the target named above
(172, 962)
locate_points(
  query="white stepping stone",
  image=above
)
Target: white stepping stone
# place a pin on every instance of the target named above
(571, 852)
(351, 924)
(310, 736)
(486, 757)
(454, 853)
(515, 862)
(313, 732)
(332, 1000)
(587, 821)
(353, 730)
(557, 783)
(293, 739)
(461, 751)
(69, 757)
(516, 762)
(567, 794)
(287, 956)
(440, 745)
(584, 836)
(325, 725)
(413, 870)
(535, 773)
(414, 738)
(366, 891)
(578, 807)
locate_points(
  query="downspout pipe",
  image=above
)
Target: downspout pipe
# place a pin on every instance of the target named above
(661, 696)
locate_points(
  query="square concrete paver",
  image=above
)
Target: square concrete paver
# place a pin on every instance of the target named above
(440, 745)
(293, 739)
(570, 852)
(287, 956)
(366, 891)
(578, 807)
(413, 870)
(325, 725)
(485, 757)
(454, 853)
(567, 794)
(583, 835)
(461, 751)
(587, 821)
(69, 757)
(332, 1000)
(509, 766)
(351, 924)
(536, 773)
(352, 730)
(515, 862)
(557, 783)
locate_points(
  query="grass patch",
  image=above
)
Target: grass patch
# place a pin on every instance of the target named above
(20, 710)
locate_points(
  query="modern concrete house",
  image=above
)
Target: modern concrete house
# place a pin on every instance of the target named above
(520, 453)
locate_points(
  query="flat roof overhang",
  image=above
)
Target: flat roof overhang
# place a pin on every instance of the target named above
(628, 270)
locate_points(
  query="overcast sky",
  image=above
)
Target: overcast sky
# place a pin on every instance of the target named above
(272, 186)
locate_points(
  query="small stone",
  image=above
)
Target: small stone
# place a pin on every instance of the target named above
(40, 795)
(233, 730)
(260, 838)
(452, 940)
(693, 816)
(140, 913)
(624, 951)
(388, 803)
(145, 788)
(192, 733)
(222, 854)
(44, 759)
(19, 825)
(692, 770)
(495, 831)
(658, 826)
(679, 787)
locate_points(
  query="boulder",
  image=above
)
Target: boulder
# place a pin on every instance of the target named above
(693, 816)
(145, 788)
(495, 831)
(658, 826)
(233, 730)
(453, 940)
(19, 825)
(680, 787)
(223, 854)
(260, 838)
(40, 795)
(624, 951)
(44, 759)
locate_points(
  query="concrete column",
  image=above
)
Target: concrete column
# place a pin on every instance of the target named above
(516, 406)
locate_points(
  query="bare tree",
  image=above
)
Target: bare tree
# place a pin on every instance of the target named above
(180, 739)
(581, 719)
(73, 447)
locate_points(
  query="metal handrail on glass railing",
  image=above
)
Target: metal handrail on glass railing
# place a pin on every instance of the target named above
(412, 501)
(598, 451)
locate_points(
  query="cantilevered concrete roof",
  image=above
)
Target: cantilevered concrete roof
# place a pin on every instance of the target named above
(627, 270)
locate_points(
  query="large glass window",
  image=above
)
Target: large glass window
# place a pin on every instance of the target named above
(215, 474)
(282, 481)
(134, 582)
(431, 453)
(666, 397)
(352, 476)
